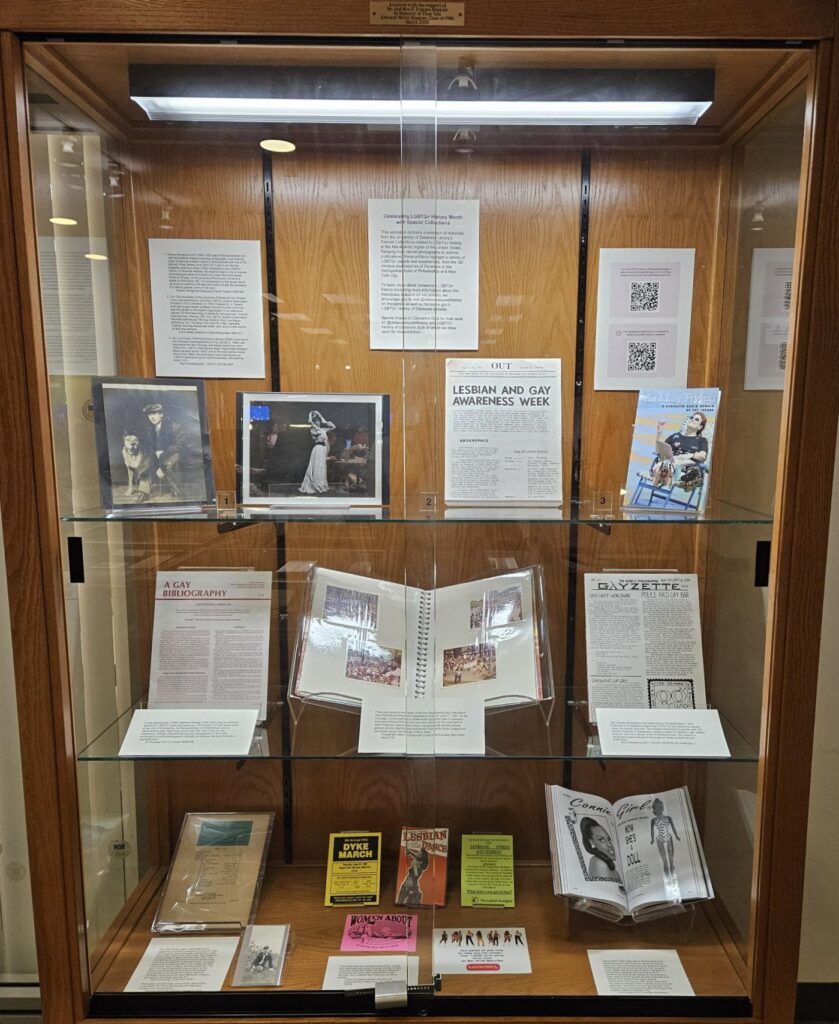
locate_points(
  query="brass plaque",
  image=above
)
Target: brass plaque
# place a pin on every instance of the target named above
(417, 12)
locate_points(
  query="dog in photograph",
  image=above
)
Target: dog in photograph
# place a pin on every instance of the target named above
(138, 464)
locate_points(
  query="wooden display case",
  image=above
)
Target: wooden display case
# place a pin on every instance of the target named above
(754, 173)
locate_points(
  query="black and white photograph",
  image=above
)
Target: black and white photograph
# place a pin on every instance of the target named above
(351, 607)
(313, 449)
(261, 955)
(592, 841)
(497, 608)
(372, 663)
(152, 442)
(472, 664)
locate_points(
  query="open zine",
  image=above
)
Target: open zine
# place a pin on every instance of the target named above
(639, 857)
(643, 641)
(421, 873)
(361, 636)
(672, 443)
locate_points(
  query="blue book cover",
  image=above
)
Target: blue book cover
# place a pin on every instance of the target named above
(672, 450)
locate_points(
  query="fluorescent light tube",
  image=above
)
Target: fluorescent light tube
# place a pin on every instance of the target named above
(334, 111)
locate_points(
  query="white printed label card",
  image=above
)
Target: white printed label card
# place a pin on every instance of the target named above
(497, 949)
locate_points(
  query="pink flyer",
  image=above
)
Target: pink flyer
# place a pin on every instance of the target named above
(364, 933)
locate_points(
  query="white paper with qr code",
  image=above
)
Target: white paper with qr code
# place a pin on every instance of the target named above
(643, 641)
(644, 299)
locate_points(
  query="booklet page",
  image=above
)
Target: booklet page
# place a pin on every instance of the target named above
(661, 858)
(356, 639)
(486, 640)
(210, 641)
(584, 847)
(643, 641)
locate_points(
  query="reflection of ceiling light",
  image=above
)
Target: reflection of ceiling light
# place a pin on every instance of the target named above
(513, 96)
(68, 146)
(94, 256)
(757, 219)
(278, 146)
(64, 221)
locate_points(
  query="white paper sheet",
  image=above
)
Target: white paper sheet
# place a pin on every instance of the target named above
(190, 733)
(210, 641)
(495, 949)
(644, 732)
(770, 302)
(184, 965)
(344, 972)
(76, 302)
(394, 725)
(503, 431)
(639, 972)
(643, 641)
(644, 301)
(423, 264)
(207, 307)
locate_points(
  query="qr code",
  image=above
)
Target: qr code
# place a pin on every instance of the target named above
(643, 296)
(640, 357)
(787, 296)
(782, 356)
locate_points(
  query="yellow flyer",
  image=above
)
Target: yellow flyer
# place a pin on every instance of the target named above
(353, 869)
(486, 871)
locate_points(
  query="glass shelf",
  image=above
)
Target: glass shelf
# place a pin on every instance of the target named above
(717, 511)
(320, 733)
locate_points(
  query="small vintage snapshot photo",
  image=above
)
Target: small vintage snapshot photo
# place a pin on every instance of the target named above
(351, 607)
(472, 664)
(372, 663)
(496, 608)
(261, 955)
(313, 449)
(152, 442)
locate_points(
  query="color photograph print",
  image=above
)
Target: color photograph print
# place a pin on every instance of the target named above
(472, 664)
(351, 607)
(371, 663)
(152, 442)
(313, 449)
(496, 608)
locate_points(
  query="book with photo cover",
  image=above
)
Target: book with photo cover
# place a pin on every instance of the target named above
(216, 873)
(639, 857)
(672, 447)
(307, 449)
(485, 638)
(152, 443)
(421, 871)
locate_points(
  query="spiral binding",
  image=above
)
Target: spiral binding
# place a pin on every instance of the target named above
(426, 599)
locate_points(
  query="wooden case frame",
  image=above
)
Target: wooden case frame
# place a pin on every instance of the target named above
(803, 491)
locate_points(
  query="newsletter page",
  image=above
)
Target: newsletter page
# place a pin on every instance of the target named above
(643, 641)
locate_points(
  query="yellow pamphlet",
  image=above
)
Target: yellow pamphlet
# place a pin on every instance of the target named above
(486, 871)
(353, 869)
